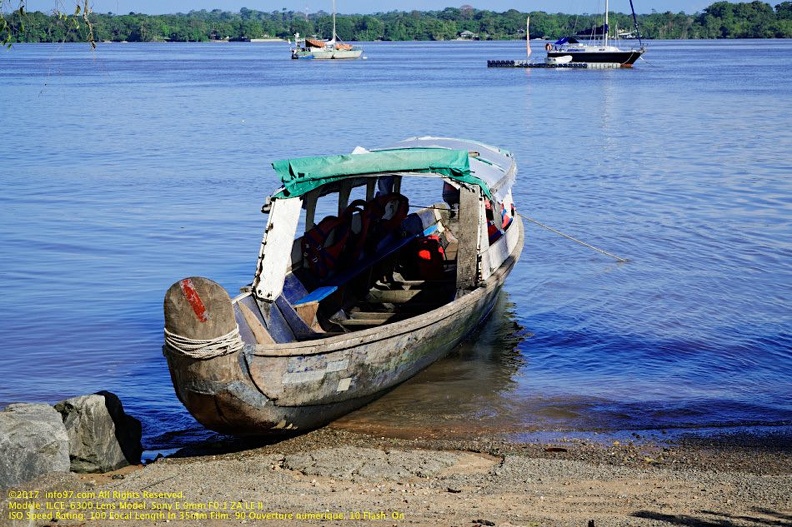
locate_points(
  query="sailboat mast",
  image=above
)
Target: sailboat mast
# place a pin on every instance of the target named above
(607, 29)
(334, 29)
(635, 23)
(528, 36)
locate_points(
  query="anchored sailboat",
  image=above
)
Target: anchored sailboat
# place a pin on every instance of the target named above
(598, 51)
(311, 48)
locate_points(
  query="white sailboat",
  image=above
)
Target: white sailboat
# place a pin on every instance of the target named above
(311, 48)
(598, 51)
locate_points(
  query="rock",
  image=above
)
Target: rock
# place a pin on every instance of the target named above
(102, 437)
(33, 441)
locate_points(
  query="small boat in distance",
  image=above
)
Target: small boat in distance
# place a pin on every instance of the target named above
(373, 265)
(314, 48)
(598, 51)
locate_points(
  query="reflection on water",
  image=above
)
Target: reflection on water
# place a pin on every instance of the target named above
(464, 394)
(507, 382)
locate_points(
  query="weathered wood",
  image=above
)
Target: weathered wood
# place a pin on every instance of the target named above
(260, 333)
(300, 327)
(467, 234)
(331, 376)
(396, 296)
(373, 315)
(365, 321)
(274, 261)
(426, 295)
(276, 324)
(199, 309)
(289, 376)
(307, 311)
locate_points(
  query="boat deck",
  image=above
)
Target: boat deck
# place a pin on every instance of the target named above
(397, 300)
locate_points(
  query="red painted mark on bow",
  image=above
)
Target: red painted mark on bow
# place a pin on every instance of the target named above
(195, 301)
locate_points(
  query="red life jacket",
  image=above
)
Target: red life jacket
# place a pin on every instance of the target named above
(323, 243)
(430, 257)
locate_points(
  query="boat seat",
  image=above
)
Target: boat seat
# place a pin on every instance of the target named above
(362, 319)
(390, 245)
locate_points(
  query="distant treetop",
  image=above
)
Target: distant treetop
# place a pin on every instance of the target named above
(719, 20)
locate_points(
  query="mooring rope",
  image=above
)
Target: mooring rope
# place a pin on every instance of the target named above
(226, 344)
(567, 236)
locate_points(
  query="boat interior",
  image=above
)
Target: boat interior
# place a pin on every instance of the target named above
(377, 261)
(367, 255)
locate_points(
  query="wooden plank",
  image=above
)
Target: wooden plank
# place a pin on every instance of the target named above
(370, 315)
(307, 312)
(393, 296)
(467, 234)
(293, 289)
(300, 328)
(275, 255)
(276, 325)
(256, 326)
(367, 322)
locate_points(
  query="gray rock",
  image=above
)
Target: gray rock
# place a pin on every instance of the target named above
(102, 437)
(33, 441)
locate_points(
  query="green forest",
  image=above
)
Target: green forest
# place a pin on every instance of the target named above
(719, 20)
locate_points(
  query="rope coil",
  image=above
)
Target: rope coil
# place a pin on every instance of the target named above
(226, 344)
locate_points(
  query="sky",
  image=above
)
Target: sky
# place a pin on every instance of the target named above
(157, 7)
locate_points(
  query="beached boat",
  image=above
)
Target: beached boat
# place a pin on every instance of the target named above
(373, 266)
(597, 50)
(314, 48)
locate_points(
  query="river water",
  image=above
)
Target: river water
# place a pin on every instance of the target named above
(128, 167)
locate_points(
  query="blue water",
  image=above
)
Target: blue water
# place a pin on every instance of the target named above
(129, 167)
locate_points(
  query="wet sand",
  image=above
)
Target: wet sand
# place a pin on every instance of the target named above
(340, 477)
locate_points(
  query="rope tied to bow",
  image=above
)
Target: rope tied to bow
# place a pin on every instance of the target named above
(226, 344)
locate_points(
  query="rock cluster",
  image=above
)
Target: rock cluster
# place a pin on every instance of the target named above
(91, 433)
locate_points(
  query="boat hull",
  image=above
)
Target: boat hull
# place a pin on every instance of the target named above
(328, 55)
(292, 388)
(624, 58)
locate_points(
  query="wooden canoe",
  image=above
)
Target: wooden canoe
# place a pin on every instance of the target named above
(333, 320)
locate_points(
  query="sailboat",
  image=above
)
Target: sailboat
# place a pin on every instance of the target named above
(312, 48)
(598, 51)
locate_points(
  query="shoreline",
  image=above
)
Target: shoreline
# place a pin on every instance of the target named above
(338, 477)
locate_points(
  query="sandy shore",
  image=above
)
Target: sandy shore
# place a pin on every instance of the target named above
(340, 477)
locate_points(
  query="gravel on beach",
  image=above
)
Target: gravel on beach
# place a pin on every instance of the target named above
(338, 477)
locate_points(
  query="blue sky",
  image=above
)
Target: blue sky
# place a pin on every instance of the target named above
(367, 6)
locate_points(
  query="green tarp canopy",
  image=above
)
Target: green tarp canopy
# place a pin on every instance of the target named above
(301, 175)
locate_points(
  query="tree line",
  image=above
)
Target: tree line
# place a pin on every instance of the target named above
(719, 20)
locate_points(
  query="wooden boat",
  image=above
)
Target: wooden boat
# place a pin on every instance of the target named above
(413, 245)
(598, 51)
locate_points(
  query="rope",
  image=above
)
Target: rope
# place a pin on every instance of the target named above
(567, 236)
(226, 344)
